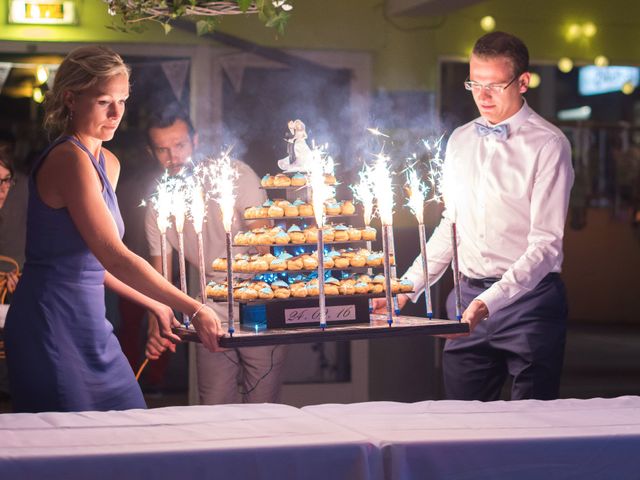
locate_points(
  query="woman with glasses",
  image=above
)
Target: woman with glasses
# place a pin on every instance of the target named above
(508, 178)
(13, 211)
(61, 351)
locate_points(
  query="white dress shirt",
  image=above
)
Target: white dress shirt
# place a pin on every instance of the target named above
(509, 200)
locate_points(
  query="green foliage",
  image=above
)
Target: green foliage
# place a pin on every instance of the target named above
(206, 14)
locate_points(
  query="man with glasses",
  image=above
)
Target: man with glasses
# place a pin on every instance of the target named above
(508, 175)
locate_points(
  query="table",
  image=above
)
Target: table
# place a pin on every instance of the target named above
(528, 439)
(198, 442)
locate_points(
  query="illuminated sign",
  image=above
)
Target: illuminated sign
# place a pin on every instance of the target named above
(42, 12)
(594, 80)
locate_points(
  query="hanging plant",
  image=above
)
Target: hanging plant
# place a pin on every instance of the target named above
(206, 14)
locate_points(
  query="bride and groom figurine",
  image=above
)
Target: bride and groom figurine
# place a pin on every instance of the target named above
(299, 156)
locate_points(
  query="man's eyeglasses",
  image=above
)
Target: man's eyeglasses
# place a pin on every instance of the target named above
(8, 182)
(493, 88)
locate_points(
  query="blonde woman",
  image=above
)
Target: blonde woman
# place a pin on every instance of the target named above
(61, 351)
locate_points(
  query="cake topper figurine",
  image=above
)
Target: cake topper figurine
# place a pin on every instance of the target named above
(299, 158)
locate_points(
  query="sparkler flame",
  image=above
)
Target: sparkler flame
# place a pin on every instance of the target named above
(179, 205)
(375, 131)
(363, 193)
(161, 201)
(383, 188)
(321, 165)
(436, 168)
(197, 208)
(417, 192)
(223, 176)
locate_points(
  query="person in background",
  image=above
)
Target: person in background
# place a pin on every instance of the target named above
(251, 375)
(62, 354)
(508, 177)
(13, 214)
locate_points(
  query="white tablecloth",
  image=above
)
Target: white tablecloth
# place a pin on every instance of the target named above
(581, 439)
(201, 442)
(561, 439)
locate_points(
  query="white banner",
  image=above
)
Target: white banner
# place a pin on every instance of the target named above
(5, 68)
(234, 70)
(176, 73)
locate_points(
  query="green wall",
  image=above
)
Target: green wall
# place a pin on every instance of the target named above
(92, 27)
(404, 50)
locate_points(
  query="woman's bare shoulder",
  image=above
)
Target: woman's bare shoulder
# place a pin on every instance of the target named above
(110, 157)
(65, 155)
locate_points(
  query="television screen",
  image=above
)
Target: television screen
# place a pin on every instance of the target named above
(594, 80)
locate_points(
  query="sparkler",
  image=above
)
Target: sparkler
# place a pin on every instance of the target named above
(224, 178)
(320, 192)
(384, 202)
(376, 132)
(417, 193)
(363, 193)
(162, 204)
(450, 190)
(197, 211)
(179, 210)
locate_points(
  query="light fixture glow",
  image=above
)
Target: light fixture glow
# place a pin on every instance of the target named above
(580, 113)
(628, 88)
(487, 23)
(601, 61)
(573, 32)
(535, 80)
(565, 64)
(589, 29)
(42, 74)
(37, 95)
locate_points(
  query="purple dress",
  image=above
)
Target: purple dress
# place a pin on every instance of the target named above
(62, 354)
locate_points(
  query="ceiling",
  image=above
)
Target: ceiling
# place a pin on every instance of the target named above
(426, 7)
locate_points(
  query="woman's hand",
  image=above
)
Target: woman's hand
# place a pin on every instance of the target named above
(208, 328)
(159, 334)
(12, 281)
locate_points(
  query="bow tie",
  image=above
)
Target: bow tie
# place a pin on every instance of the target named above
(500, 131)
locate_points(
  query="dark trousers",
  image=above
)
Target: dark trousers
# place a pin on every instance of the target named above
(525, 340)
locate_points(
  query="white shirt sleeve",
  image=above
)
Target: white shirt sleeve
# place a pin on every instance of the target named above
(152, 232)
(549, 204)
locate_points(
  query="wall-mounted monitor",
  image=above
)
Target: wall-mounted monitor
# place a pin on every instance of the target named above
(594, 80)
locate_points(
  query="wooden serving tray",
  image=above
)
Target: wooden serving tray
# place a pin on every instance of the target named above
(376, 327)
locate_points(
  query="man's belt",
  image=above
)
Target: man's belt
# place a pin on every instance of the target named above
(479, 282)
(487, 282)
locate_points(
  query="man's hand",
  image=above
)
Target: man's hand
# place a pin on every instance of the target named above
(474, 314)
(380, 304)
